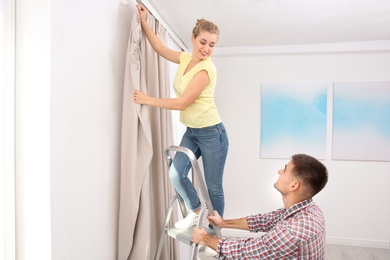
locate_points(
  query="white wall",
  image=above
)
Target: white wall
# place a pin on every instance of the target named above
(32, 129)
(88, 45)
(89, 41)
(7, 129)
(356, 201)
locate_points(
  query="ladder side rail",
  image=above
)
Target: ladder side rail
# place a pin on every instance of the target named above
(204, 191)
(166, 222)
(200, 180)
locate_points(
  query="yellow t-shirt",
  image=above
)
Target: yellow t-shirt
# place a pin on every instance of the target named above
(203, 111)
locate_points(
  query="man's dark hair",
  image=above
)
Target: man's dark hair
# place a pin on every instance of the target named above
(311, 171)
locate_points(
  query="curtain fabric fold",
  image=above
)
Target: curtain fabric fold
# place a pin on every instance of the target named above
(145, 189)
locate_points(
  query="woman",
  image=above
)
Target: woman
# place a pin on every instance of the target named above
(205, 136)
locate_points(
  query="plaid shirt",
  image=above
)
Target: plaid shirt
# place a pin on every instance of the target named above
(294, 233)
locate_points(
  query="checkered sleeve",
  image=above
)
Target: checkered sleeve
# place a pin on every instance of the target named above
(264, 222)
(276, 244)
(296, 233)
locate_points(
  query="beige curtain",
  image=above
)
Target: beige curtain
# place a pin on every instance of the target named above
(145, 188)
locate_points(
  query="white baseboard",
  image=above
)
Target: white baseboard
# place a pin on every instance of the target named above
(358, 242)
(329, 240)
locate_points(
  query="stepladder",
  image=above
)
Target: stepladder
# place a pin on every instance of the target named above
(206, 209)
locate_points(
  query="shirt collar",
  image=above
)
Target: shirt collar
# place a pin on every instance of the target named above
(297, 207)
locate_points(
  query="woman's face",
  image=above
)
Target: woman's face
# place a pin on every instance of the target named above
(204, 44)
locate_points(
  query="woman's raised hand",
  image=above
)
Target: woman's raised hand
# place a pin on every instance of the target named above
(142, 11)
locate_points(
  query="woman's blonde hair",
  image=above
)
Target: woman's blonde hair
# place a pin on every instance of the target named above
(204, 25)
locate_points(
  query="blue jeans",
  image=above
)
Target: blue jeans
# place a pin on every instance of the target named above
(212, 144)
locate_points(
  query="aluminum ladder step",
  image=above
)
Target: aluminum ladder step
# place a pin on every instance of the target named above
(185, 235)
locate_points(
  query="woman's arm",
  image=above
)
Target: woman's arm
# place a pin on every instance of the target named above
(192, 92)
(156, 43)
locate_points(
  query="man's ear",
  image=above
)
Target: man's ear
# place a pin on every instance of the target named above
(294, 185)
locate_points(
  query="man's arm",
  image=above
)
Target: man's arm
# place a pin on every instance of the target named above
(270, 245)
(239, 223)
(279, 243)
(200, 236)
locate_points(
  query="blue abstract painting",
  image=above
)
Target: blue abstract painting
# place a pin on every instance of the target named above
(293, 119)
(361, 121)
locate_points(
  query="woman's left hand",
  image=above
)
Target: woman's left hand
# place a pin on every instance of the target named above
(139, 97)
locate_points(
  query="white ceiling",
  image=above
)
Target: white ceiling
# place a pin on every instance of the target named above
(279, 22)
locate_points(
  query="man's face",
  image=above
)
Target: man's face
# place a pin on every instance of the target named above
(285, 178)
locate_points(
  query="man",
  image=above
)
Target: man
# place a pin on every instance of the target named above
(296, 231)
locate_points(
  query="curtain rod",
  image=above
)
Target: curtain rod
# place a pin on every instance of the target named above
(156, 15)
